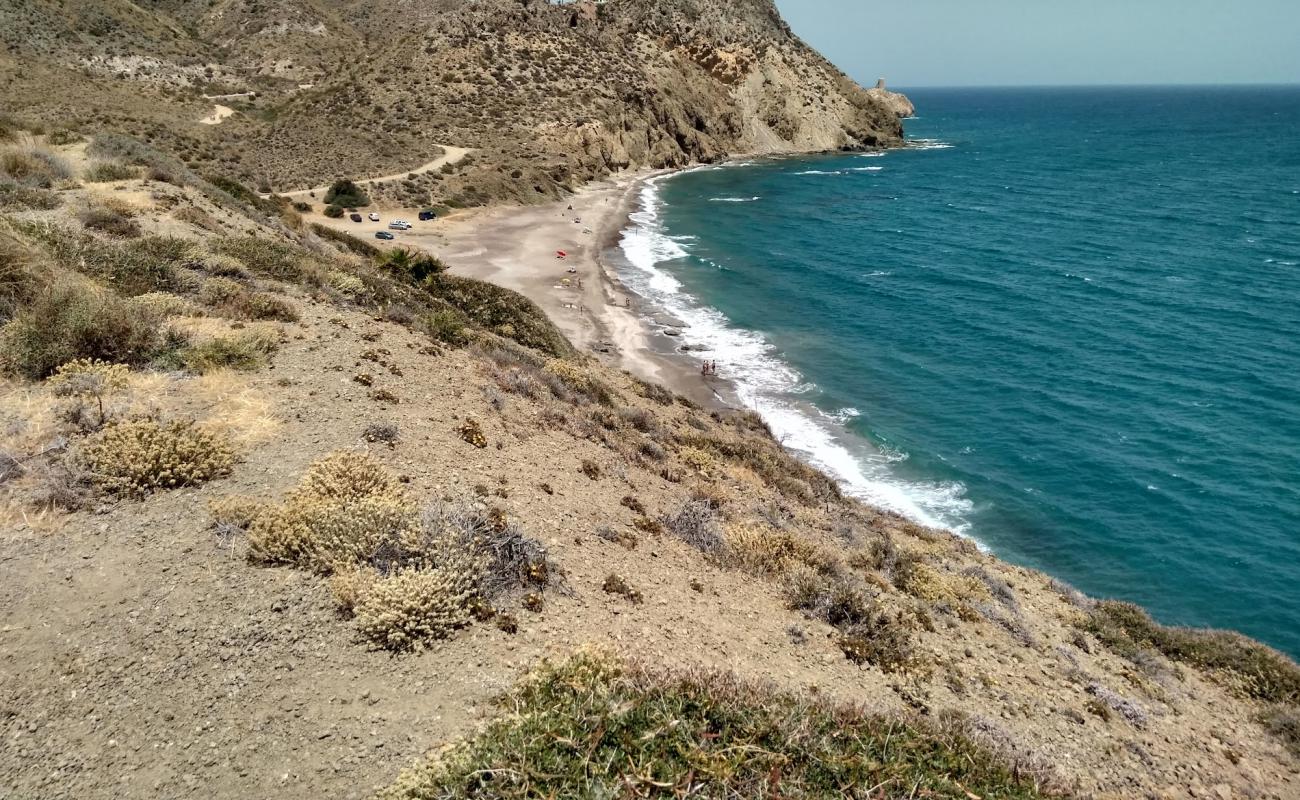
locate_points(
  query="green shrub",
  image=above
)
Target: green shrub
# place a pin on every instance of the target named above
(345, 241)
(110, 172)
(411, 265)
(71, 320)
(595, 727)
(136, 458)
(447, 327)
(347, 194)
(264, 256)
(501, 311)
(333, 212)
(1254, 669)
(148, 264)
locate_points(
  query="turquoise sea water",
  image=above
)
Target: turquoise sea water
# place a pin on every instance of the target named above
(1067, 325)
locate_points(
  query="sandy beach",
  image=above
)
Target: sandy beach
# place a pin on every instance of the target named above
(517, 247)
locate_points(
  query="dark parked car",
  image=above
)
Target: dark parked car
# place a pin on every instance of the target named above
(356, 217)
(427, 215)
(384, 235)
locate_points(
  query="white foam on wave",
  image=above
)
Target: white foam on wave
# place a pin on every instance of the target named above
(928, 144)
(819, 172)
(734, 199)
(767, 384)
(866, 169)
(878, 154)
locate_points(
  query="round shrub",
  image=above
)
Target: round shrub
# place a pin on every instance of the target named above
(401, 611)
(136, 458)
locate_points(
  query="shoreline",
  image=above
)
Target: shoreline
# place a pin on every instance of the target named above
(583, 293)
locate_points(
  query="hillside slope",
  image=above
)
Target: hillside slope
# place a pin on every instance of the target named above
(550, 96)
(316, 506)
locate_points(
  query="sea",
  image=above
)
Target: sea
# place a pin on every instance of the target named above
(1064, 323)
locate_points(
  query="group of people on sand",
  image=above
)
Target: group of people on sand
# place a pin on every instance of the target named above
(709, 368)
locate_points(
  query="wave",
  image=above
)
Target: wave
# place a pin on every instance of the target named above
(928, 144)
(878, 154)
(866, 169)
(819, 172)
(734, 199)
(766, 383)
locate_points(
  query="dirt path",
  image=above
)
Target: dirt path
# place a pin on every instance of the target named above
(219, 115)
(450, 155)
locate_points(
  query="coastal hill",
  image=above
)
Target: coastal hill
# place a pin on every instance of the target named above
(550, 96)
(285, 512)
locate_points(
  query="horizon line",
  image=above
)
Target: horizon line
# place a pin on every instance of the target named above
(1228, 85)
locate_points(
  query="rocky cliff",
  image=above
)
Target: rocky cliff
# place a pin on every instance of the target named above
(549, 95)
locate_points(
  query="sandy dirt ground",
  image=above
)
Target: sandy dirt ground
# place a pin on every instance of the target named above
(517, 247)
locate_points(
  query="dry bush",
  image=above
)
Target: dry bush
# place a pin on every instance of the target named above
(236, 511)
(566, 379)
(1252, 669)
(161, 305)
(829, 598)
(24, 198)
(771, 552)
(696, 524)
(1284, 723)
(70, 320)
(617, 584)
(136, 458)
(233, 300)
(406, 576)
(33, 167)
(85, 380)
(403, 610)
(265, 256)
(883, 640)
(109, 219)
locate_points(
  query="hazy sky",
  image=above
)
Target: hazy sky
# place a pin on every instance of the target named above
(1055, 42)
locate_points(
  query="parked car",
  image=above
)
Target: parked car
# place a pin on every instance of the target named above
(356, 217)
(374, 217)
(395, 225)
(384, 235)
(427, 215)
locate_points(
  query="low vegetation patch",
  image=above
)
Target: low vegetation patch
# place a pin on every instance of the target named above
(109, 172)
(595, 727)
(136, 458)
(501, 311)
(111, 220)
(71, 320)
(243, 351)
(33, 167)
(345, 241)
(1251, 668)
(233, 300)
(263, 256)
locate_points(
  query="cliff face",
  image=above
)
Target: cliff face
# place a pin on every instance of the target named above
(550, 96)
